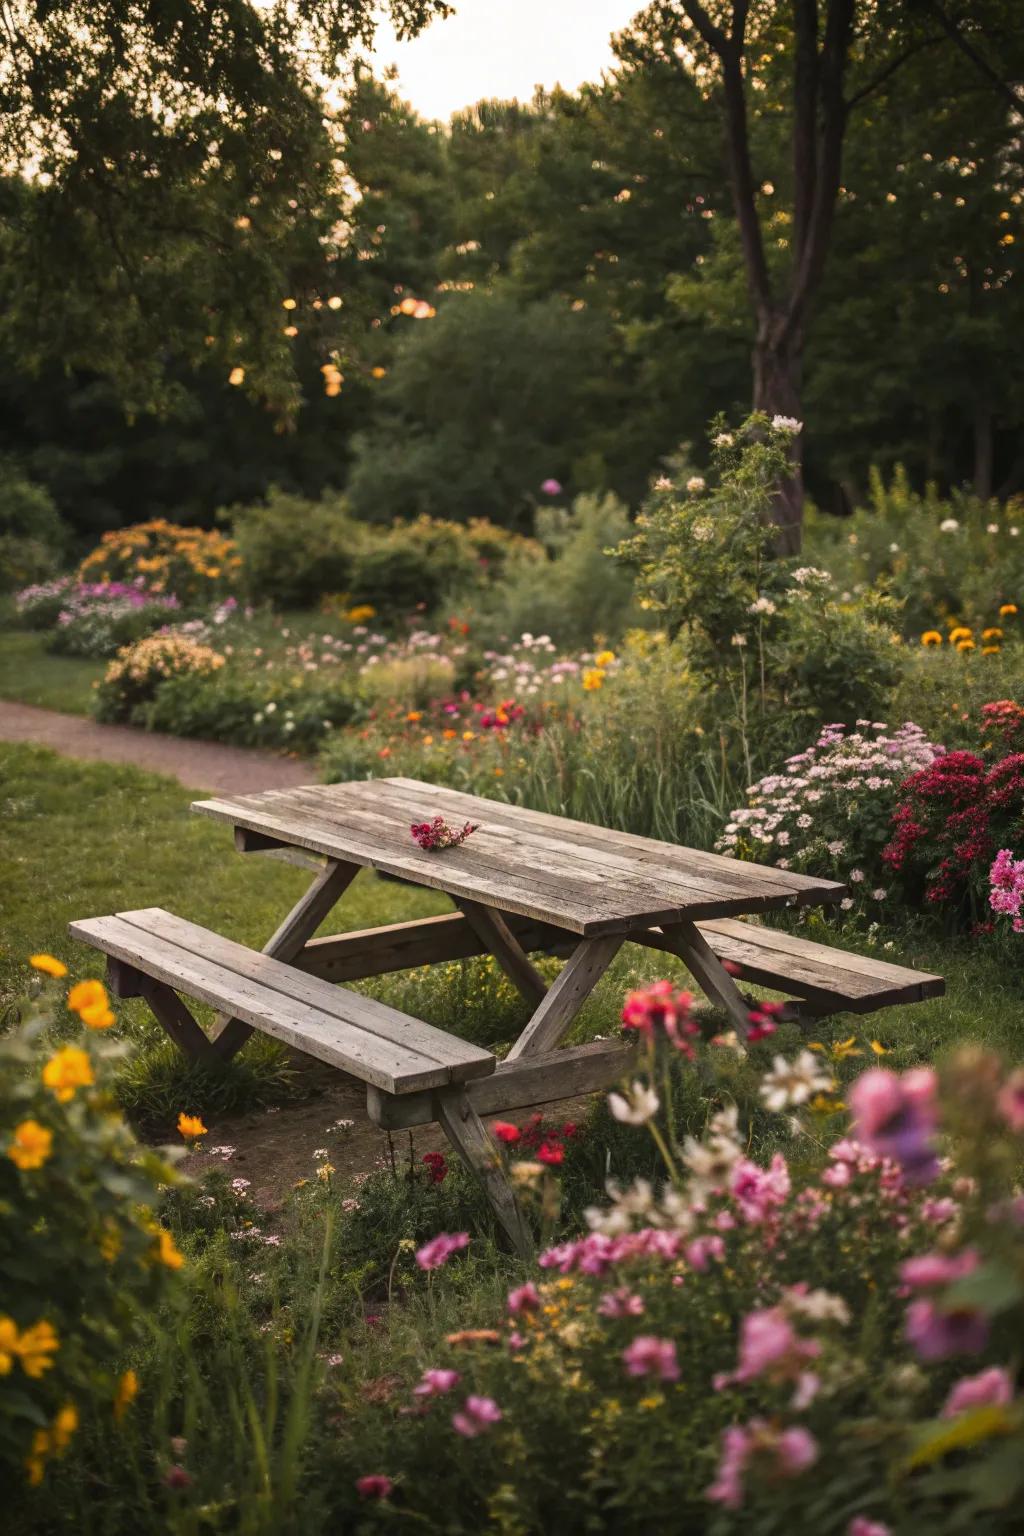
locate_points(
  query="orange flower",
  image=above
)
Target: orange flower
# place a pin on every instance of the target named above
(49, 964)
(67, 1071)
(31, 1144)
(190, 1125)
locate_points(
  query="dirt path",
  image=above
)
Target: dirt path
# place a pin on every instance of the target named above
(196, 764)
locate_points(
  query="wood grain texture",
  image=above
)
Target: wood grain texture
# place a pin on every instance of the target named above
(498, 938)
(375, 1043)
(422, 941)
(689, 942)
(566, 996)
(468, 1135)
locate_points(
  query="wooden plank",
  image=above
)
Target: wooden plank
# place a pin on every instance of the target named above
(688, 942)
(229, 1034)
(666, 869)
(393, 1066)
(273, 848)
(423, 941)
(176, 1019)
(441, 872)
(468, 1135)
(806, 888)
(365, 1013)
(561, 1074)
(566, 996)
(506, 949)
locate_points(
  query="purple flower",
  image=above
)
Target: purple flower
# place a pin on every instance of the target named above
(525, 1298)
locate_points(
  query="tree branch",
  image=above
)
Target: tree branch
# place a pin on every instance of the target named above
(957, 38)
(889, 69)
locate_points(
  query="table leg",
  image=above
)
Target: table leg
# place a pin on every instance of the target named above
(494, 933)
(229, 1035)
(686, 940)
(567, 994)
(468, 1135)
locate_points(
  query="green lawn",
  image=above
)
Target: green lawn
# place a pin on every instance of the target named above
(85, 838)
(30, 675)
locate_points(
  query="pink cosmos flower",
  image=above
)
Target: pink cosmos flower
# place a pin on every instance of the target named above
(786, 1455)
(525, 1298)
(758, 1191)
(621, 1303)
(661, 1008)
(374, 1486)
(770, 1345)
(476, 1417)
(896, 1117)
(550, 486)
(440, 1249)
(988, 1387)
(435, 1381)
(929, 1270)
(650, 1356)
(860, 1525)
(702, 1250)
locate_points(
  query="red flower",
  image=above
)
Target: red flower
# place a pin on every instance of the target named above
(506, 1132)
(436, 1166)
(374, 1486)
(550, 1152)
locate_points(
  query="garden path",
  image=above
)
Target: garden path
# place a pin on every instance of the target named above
(196, 764)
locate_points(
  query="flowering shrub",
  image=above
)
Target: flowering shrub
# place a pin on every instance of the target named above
(1006, 887)
(195, 564)
(954, 815)
(98, 618)
(80, 1251)
(134, 676)
(37, 606)
(830, 809)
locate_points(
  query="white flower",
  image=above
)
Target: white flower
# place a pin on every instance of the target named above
(703, 531)
(948, 525)
(992, 528)
(635, 1108)
(819, 1306)
(271, 707)
(1014, 532)
(786, 424)
(846, 904)
(739, 640)
(663, 483)
(856, 876)
(762, 605)
(320, 1152)
(894, 549)
(806, 573)
(695, 483)
(836, 847)
(804, 821)
(723, 440)
(880, 894)
(790, 1084)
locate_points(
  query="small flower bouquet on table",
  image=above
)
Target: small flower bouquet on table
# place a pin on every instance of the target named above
(436, 834)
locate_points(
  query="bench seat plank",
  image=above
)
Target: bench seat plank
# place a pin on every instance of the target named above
(385, 1048)
(832, 977)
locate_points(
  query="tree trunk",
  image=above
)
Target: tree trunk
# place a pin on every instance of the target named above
(982, 451)
(778, 360)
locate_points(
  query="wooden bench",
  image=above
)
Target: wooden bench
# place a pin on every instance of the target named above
(414, 1073)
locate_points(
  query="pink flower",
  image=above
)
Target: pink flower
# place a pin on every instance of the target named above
(929, 1270)
(1011, 1100)
(650, 1356)
(662, 1008)
(621, 1303)
(758, 1191)
(896, 1118)
(476, 1417)
(374, 1486)
(727, 1487)
(440, 1249)
(784, 1455)
(702, 1250)
(797, 1450)
(525, 1298)
(988, 1387)
(938, 1332)
(435, 1381)
(860, 1525)
(550, 486)
(770, 1345)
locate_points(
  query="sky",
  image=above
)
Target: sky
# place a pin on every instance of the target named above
(503, 48)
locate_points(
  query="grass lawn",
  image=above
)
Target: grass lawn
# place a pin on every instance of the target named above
(30, 675)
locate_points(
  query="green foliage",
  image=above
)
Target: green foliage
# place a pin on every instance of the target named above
(85, 1265)
(416, 566)
(32, 535)
(134, 677)
(247, 707)
(293, 549)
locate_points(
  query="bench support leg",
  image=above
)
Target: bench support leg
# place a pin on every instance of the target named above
(468, 1135)
(229, 1035)
(686, 940)
(495, 934)
(167, 1006)
(565, 997)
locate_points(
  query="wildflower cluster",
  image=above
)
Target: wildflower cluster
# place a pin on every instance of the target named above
(136, 673)
(1006, 887)
(830, 807)
(437, 833)
(190, 562)
(989, 640)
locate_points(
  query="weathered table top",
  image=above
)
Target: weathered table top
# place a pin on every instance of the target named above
(586, 879)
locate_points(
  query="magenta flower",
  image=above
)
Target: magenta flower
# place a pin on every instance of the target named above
(784, 1455)
(476, 1417)
(374, 1486)
(435, 1381)
(992, 1387)
(897, 1118)
(702, 1250)
(621, 1303)
(860, 1525)
(770, 1345)
(551, 486)
(525, 1298)
(440, 1249)
(937, 1332)
(929, 1270)
(651, 1356)
(759, 1191)
(1011, 1100)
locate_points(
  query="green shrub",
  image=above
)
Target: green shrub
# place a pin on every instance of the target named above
(250, 708)
(294, 550)
(82, 1257)
(32, 536)
(197, 566)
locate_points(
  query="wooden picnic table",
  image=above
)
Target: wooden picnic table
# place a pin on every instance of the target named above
(566, 882)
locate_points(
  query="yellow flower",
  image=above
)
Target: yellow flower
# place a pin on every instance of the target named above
(604, 658)
(64, 1426)
(190, 1125)
(960, 632)
(378, 372)
(236, 376)
(8, 1343)
(30, 1146)
(360, 613)
(110, 1243)
(931, 637)
(168, 1251)
(35, 1462)
(878, 1048)
(469, 735)
(127, 1388)
(97, 1017)
(994, 633)
(965, 645)
(87, 994)
(990, 650)
(1007, 610)
(34, 1348)
(593, 677)
(69, 1070)
(49, 964)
